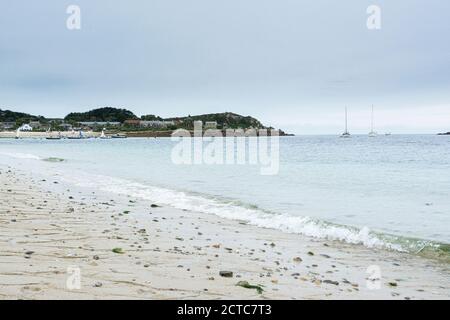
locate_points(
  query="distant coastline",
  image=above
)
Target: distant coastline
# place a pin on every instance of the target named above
(123, 121)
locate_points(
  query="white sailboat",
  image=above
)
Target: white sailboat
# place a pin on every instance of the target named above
(346, 134)
(372, 133)
(104, 136)
(76, 137)
(17, 133)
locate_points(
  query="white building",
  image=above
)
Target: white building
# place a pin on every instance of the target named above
(26, 127)
(156, 124)
(211, 125)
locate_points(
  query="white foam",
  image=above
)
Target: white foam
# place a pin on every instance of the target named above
(254, 216)
(18, 155)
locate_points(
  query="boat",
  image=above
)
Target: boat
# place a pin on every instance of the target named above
(51, 137)
(17, 134)
(388, 134)
(119, 136)
(76, 137)
(346, 134)
(372, 133)
(104, 136)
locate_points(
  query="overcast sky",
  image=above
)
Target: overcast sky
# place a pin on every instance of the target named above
(293, 64)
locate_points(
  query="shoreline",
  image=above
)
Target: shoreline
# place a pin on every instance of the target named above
(170, 253)
(94, 134)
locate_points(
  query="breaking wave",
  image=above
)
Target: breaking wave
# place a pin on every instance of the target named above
(251, 214)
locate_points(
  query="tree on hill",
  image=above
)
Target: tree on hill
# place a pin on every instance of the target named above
(228, 119)
(101, 115)
(18, 117)
(151, 117)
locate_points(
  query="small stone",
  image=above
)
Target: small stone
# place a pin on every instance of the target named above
(297, 259)
(226, 274)
(98, 284)
(331, 282)
(393, 284)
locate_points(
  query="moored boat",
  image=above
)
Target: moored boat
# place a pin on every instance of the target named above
(346, 134)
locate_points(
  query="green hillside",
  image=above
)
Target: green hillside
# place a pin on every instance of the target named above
(101, 115)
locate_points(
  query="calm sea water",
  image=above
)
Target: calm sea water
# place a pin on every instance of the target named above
(388, 191)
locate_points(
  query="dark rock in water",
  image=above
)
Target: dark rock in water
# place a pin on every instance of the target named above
(154, 205)
(98, 284)
(297, 259)
(325, 256)
(96, 257)
(310, 253)
(226, 274)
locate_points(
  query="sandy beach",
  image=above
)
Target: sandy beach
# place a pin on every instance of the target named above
(127, 248)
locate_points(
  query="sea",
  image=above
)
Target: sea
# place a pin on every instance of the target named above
(387, 192)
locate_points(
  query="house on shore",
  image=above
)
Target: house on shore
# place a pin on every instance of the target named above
(98, 124)
(148, 124)
(26, 127)
(156, 124)
(7, 125)
(66, 126)
(132, 123)
(36, 125)
(210, 125)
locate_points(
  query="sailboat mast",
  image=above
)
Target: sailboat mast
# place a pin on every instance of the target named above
(346, 125)
(371, 125)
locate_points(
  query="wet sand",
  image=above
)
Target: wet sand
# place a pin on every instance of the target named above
(125, 248)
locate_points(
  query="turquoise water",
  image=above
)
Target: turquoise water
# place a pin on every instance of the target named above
(388, 191)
